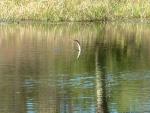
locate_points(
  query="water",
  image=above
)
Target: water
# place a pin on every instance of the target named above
(40, 71)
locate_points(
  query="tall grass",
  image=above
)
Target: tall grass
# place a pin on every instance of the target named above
(73, 10)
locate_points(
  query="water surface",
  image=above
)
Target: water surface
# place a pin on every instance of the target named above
(40, 71)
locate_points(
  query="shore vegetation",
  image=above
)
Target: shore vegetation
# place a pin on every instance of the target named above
(73, 10)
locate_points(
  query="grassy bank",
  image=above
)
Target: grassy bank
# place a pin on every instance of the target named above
(73, 10)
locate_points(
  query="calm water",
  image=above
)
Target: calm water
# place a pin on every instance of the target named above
(40, 71)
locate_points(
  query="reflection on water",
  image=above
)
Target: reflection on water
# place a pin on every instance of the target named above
(40, 72)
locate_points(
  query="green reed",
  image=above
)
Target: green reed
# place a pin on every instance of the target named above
(73, 10)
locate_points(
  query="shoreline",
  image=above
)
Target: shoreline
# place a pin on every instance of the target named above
(54, 11)
(147, 21)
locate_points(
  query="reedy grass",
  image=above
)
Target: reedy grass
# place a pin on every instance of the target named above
(73, 10)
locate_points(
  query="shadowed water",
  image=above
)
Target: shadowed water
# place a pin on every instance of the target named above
(40, 71)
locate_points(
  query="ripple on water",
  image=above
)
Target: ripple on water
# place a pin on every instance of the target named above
(129, 91)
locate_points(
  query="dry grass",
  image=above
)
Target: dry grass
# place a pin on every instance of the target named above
(73, 10)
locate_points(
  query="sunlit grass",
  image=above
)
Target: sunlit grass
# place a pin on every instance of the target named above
(73, 10)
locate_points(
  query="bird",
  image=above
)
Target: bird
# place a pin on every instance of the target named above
(79, 48)
(78, 44)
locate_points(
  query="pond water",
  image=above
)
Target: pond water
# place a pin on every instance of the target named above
(41, 70)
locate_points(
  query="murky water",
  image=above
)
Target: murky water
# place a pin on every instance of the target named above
(40, 71)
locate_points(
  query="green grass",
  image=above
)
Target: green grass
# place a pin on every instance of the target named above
(73, 10)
